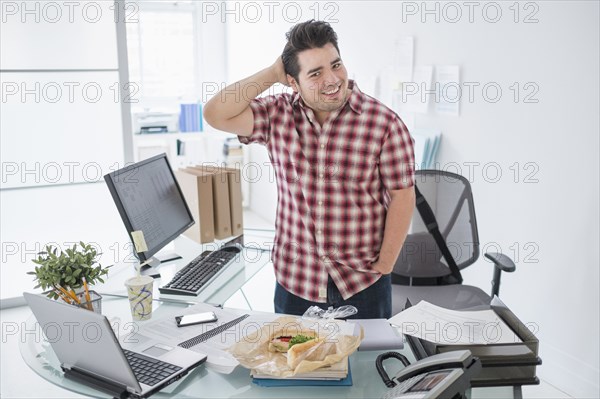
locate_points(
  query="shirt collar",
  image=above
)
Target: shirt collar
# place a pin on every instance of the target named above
(355, 100)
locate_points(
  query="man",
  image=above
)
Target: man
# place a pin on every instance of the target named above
(344, 166)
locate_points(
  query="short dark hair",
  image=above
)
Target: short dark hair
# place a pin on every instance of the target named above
(304, 36)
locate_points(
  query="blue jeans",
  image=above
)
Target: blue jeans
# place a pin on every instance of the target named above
(375, 302)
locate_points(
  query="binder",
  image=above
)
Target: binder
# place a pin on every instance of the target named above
(502, 364)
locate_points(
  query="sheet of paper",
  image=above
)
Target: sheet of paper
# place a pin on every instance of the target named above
(404, 52)
(391, 80)
(379, 335)
(413, 94)
(452, 327)
(447, 85)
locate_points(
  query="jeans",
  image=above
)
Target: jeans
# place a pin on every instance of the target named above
(375, 302)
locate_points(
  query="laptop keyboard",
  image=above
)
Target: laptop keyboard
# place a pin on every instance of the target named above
(147, 370)
(191, 279)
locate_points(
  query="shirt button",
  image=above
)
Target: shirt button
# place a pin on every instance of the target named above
(320, 202)
(319, 232)
(321, 175)
(322, 145)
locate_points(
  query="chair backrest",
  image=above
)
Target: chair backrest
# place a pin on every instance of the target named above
(450, 197)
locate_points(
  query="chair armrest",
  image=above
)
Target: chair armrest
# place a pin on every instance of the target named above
(501, 261)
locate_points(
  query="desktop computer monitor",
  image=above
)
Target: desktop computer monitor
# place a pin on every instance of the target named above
(149, 200)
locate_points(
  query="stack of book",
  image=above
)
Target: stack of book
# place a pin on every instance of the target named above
(337, 374)
(233, 152)
(190, 118)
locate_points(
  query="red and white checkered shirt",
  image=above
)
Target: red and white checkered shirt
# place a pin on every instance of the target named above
(332, 182)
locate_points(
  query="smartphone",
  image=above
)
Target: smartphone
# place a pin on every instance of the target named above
(195, 318)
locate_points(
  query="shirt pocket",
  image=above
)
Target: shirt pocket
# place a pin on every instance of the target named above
(353, 164)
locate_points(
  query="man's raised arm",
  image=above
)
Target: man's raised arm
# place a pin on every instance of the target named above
(229, 110)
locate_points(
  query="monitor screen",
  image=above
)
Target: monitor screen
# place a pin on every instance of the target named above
(149, 200)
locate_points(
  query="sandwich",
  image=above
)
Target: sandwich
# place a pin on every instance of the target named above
(281, 342)
(306, 345)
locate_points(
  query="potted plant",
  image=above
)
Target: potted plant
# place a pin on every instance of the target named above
(67, 275)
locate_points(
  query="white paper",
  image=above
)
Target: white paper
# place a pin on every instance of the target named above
(452, 327)
(413, 94)
(379, 335)
(391, 80)
(447, 85)
(404, 52)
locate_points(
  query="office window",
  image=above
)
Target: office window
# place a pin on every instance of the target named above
(162, 49)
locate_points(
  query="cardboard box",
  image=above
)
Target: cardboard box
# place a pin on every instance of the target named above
(198, 193)
(220, 192)
(234, 182)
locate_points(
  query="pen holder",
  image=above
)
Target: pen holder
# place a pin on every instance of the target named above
(94, 304)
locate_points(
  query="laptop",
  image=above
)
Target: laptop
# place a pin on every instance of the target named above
(90, 353)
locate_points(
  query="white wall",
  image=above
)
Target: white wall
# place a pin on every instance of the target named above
(61, 96)
(548, 213)
(61, 123)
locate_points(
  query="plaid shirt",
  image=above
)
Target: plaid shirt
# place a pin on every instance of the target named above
(332, 184)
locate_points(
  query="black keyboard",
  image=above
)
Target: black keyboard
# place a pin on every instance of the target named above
(147, 370)
(191, 279)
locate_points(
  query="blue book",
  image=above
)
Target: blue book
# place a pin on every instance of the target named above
(190, 118)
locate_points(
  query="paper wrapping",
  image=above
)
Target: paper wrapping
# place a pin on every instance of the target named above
(334, 345)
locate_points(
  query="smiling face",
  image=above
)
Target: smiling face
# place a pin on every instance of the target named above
(322, 80)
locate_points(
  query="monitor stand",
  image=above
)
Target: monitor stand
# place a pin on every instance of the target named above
(152, 267)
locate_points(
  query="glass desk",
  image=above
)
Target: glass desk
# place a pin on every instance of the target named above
(203, 382)
(254, 260)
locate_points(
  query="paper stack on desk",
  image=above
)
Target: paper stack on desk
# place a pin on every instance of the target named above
(508, 350)
(335, 375)
(454, 327)
(337, 371)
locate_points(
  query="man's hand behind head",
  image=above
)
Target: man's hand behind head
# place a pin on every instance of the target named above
(279, 71)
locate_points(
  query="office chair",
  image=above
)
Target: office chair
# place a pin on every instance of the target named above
(422, 270)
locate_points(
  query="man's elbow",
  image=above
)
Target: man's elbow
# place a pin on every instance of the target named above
(209, 114)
